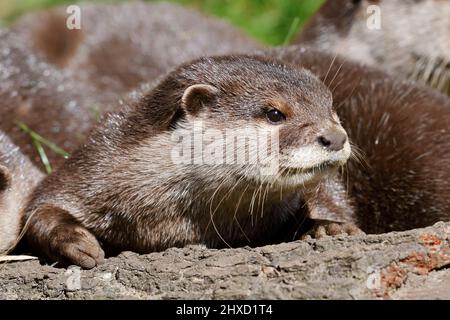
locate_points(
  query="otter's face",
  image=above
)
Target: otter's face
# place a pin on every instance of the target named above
(411, 37)
(311, 140)
(276, 124)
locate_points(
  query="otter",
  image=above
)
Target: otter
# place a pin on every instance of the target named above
(121, 46)
(18, 177)
(401, 131)
(123, 190)
(413, 41)
(143, 202)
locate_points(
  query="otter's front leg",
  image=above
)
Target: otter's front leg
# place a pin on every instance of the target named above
(331, 210)
(58, 236)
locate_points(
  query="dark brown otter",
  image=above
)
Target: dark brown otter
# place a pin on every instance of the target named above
(121, 46)
(412, 41)
(18, 177)
(124, 188)
(401, 130)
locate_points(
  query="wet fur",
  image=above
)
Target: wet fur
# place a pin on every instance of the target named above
(82, 75)
(366, 100)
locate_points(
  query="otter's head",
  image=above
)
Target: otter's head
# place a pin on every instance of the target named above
(408, 37)
(258, 121)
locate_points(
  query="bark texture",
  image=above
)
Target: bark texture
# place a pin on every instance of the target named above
(400, 265)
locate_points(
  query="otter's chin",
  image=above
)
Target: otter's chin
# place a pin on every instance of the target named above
(301, 177)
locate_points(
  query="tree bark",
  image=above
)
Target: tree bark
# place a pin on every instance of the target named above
(399, 265)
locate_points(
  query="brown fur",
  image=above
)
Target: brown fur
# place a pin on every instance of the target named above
(46, 100)
(142, 201)
(123, 45)
(52, 39)
(402, 131)
(413, 42)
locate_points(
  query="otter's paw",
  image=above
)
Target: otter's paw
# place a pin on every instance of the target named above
(72, 244)
(324, 228)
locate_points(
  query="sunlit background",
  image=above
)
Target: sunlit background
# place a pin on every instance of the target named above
(272, 22)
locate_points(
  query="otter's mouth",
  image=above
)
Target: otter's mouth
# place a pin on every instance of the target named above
(320, 168)
(434, 71)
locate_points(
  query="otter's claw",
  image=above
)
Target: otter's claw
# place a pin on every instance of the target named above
(324, 228)
(76, 245)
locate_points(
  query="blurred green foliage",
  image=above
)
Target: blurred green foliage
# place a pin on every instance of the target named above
(270, 21)
(266, 20)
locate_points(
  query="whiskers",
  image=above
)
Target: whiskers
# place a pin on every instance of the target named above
(238, 207)
(329, 83)
(212, 212)
(357, 155)
(224, 206)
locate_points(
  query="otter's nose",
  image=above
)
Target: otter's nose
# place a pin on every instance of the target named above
(333, 140)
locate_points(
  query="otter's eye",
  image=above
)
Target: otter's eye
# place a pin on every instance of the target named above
(275, 116)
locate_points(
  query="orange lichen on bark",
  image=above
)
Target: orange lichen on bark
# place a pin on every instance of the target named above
(435, 257)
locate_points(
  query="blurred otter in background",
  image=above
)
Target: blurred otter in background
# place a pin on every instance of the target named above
(18, 177)
(121, 46)
(413, 41)
(35, 98)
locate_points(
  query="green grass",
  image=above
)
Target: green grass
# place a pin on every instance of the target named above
(266, 20)
(39, 142)
(273, 22)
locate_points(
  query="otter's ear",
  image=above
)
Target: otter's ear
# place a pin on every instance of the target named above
(5, 178)
(197, 96)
